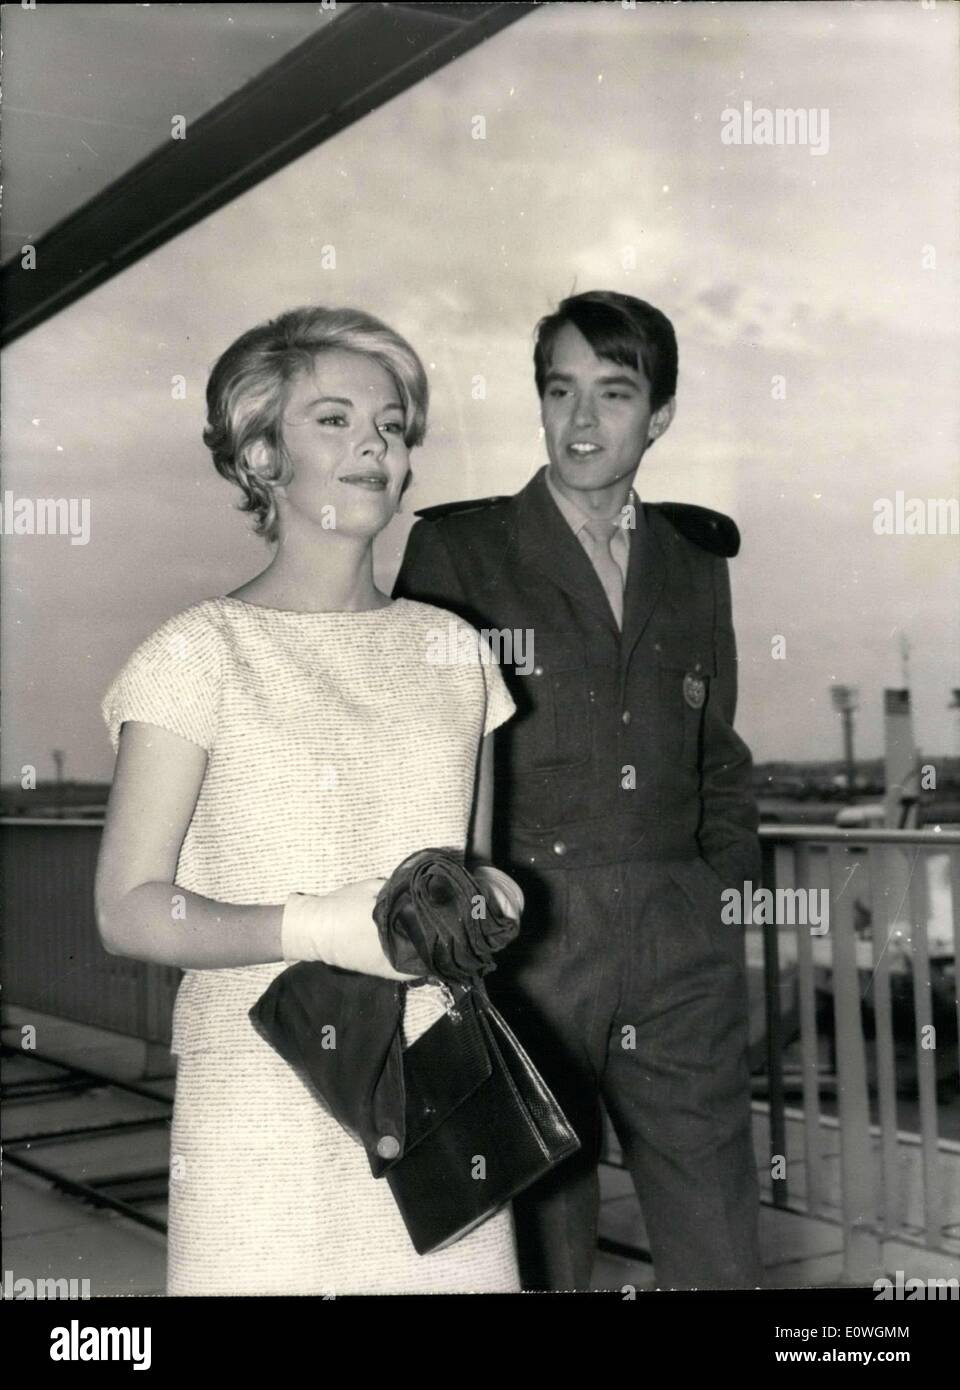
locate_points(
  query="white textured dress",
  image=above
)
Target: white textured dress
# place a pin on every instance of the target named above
(337, 743)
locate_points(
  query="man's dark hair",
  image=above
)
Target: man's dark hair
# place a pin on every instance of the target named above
(625, 330)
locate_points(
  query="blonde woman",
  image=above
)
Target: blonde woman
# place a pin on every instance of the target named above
(279, 751)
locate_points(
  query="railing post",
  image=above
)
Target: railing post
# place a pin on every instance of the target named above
(955, 910)
(880, 896)
(926, 1055)
(806, 992)
(771, 977)
(861, 1247)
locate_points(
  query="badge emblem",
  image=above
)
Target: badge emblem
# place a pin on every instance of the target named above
(694, 691)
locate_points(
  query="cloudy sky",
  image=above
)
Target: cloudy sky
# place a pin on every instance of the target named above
(833, 275)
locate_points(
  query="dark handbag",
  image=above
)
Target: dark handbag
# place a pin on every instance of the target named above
(481, 1123)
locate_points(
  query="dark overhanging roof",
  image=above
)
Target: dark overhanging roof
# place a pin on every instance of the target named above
(369, 55)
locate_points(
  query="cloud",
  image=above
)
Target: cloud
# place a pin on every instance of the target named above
(722, 298)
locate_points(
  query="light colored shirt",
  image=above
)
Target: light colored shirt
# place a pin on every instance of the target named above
(581, 523)
(576, 518)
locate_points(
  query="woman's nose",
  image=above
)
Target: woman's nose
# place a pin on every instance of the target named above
(373, 444)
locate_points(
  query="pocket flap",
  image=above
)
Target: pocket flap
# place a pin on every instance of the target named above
(684, 653)
(442, 1069)
(552, 652)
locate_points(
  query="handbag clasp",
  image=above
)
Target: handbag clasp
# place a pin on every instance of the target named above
(450, 1002)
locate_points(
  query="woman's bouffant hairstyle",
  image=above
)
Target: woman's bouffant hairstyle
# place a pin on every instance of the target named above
(250, 382)
(621, 328)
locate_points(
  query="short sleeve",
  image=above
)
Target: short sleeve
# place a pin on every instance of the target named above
(172, 680)
(500, 705)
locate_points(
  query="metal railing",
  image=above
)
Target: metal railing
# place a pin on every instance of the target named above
(52, 957)
(886, 911)
(894, 917)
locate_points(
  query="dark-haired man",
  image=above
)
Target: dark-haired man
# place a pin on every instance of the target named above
(624, 802)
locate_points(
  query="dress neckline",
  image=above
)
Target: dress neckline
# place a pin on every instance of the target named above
(313, 613)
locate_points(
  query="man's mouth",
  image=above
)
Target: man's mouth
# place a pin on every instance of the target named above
(582, 449)
(373, 482)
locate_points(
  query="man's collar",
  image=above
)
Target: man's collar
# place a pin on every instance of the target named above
(576, 517)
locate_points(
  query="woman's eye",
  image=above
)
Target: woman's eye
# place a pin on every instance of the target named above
(331, 420)
(392, 427)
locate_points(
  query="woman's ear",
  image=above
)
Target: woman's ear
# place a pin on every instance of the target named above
(261, 461)
(258, 457)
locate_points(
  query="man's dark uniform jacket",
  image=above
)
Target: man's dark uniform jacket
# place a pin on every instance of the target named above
(623, 806)
(622, 745)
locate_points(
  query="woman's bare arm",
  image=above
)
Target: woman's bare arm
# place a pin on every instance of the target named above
(140, 910)
(481, 823)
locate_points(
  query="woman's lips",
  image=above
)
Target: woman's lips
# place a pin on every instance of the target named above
(373, 482)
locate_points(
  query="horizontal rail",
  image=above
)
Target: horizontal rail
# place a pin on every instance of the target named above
(844, 833)
(86, 1191)
(835, 834)
(95, 1078)
(60, 822)
(824, 834)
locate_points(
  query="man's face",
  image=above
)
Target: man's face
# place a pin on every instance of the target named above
(596, 416)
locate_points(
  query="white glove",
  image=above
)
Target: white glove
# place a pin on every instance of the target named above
(506, 891)
(338, 929)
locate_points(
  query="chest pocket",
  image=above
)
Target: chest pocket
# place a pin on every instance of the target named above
(686, 668)
(553, 730)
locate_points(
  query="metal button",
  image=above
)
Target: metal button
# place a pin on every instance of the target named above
(559, 847)
(625, 716)
(388, 1146)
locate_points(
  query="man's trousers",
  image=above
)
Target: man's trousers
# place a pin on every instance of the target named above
(626, 985)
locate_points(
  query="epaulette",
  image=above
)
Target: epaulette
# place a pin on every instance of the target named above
(473, 504)
(711, 530)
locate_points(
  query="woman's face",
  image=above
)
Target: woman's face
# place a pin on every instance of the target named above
(343, 431)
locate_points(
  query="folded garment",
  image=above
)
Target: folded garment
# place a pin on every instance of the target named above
(341, 1030)
(433, 918)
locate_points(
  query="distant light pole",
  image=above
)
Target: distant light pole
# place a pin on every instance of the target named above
(955, 704)
(845, 703)
(58, 761)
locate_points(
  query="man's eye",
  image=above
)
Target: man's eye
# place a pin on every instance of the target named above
(557, 391)
(618, 395)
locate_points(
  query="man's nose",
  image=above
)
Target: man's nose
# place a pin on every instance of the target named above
(583, 410)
